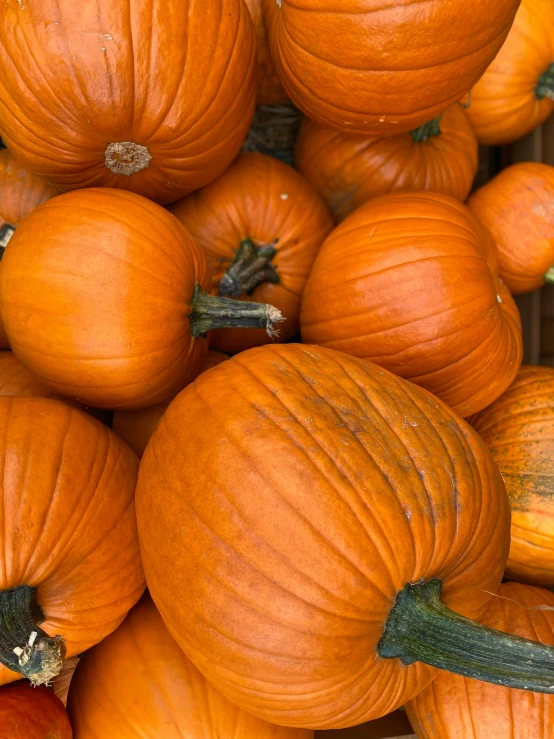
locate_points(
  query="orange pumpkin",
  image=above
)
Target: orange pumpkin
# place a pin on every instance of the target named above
(348, 170)
(454, 707)
(62, 681)
(15, 379)
(262, 245)
(516, 93)
(517, 206)
(409, 281)
(32, 713)
(103, 301)
(71, 563)
(270, 90)
(382, 68)
(136, 427)
(167, 698)
(150, 96)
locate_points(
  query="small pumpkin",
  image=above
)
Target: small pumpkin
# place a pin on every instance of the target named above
(32, 713)
(62, 681)
(262, 244)
(72, 566)
(517, 206)
(166, 698)
(152, 96)
(136, 427)
(379, 68)
(518, 428)
(348, 170)
(516, 93)
(104, 299)
(454, 707)
(270, 90)
(409, 281)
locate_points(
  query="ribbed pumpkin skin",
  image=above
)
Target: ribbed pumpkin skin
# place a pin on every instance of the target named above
(454, 707)
(67, 500)
(15, 379)
(504, 106)
(259, 198)
(304, 490)
(348, 170)
(174, 76)
(20, 190)
(96, 286)
(61, 683)
(139, 683)
(378, 67)
(519, 431)
(32, 713)
(517, 206)
(409, 281)
(270, 90)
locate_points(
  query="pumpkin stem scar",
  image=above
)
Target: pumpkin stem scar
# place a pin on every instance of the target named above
(209, 312)
(545, 88)
(126, 158)
(24, 646)
(549, 275)
(432, 128)
(6, 232)
(250, 268)
(421, 629)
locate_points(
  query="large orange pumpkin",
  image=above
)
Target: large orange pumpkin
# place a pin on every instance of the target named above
(287, 501)
(348, 170)
(270, 90)
(382, 67)
(409, 281)
(166, 698)
(152, 96)
(516, 93)
(102, 299)
(71, 563)
(517, 206)
(32, 713)
(263, 242)
(454, 707)
(519, 431)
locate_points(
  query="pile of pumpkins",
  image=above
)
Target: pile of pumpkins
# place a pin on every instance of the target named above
(345, 498)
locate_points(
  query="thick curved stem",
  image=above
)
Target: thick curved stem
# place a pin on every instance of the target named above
(549, 275)
(545, 88)
(24, 646)
(421, 629)
(432, 128)
(209, 312)
(250, 268)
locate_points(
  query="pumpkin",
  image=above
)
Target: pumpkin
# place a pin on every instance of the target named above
(103, 300)
(454, 707)
(32, 713)
(519, 430)
(149, 96)
(167, 697)
(263, 242)
(62, 681)
(382, 68)
(409, 281)
(15, 379)
(270, 90)
(517, 206)
(348, 170)
(71, 562)
(516, 93)
(136, 427)
(313, 508)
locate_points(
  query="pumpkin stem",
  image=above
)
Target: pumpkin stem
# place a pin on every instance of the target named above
(273, 131)
(432, 128)
(209, 312)
(251, 266)
(6, 232)
(24, 646)
(421, 629)
(549, 276)
(545, 88)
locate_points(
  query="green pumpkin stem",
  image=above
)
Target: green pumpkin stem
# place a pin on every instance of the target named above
(545, 88)
(24, 646)
(549, 276)
(209, 312)
(250, 268)
(432, 128)
(421, 629)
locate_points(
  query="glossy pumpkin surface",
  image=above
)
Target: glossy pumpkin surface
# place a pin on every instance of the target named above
(139, 683)
(382, 67)
(283, 473)
(454, 707)
(270, 90)
(409, 281)
(517, 206)
(519, 431)
(32, 713)
(348, 170)
(150, 96)
(516, 93)
(264, 200)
